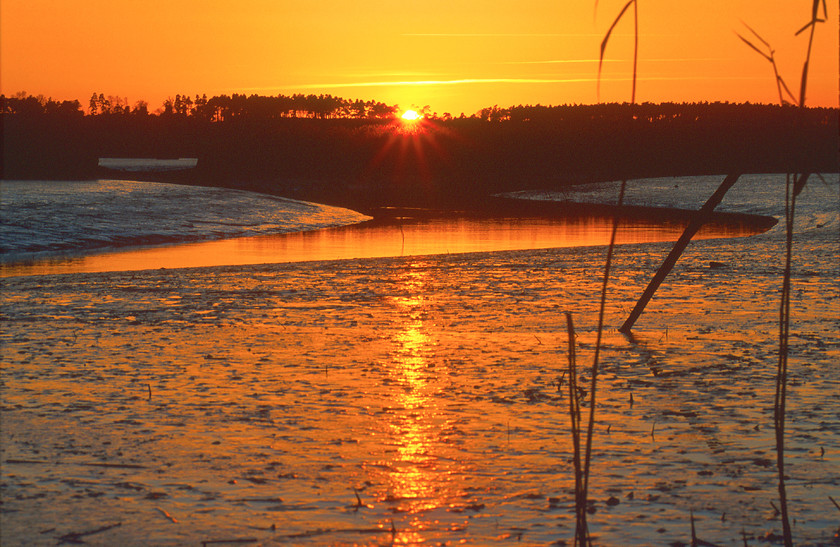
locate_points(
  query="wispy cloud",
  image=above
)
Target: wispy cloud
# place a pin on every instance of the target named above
(496, 35)
(586, 61)
(597, 35)
(485, 81)
(460, 81)
(556, 62)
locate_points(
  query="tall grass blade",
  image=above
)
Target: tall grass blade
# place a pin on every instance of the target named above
(769, 58)
(781, 371)
(606, 40)
(635, 49)
(804, 85)
(792, 190)
(808, 25)
(581, 527)
(593, 385)
(757, 35)
(779, 80)
(793, 187)
(581, 530)
(813, 25)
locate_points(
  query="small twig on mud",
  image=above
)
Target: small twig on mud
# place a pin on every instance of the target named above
(834, 502)
(76, 537)
(167, 515)
(207, 542)
(150, 391)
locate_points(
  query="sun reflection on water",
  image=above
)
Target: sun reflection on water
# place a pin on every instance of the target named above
(420, 471)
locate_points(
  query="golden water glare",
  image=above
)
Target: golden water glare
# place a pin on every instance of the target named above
(428, 384)
(419, 478)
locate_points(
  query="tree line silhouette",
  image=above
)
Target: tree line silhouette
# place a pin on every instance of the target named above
(222, 108)
(360, 154)
(218, 108)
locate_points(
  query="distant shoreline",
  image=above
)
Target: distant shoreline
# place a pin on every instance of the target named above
(452, 164)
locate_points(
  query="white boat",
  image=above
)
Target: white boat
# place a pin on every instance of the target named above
(147, 164)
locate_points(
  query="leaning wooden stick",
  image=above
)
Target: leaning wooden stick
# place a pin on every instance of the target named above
(699, 218)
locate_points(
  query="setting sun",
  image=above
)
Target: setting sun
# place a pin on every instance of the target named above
(411, 116)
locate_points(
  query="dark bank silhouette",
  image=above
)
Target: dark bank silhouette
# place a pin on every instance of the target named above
(361, 155)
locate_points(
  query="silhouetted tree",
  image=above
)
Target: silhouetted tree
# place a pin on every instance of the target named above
(141, 108)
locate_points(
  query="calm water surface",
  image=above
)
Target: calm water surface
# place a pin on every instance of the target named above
(368, 240)
(419, 399)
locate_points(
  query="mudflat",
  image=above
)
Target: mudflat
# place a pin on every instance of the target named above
(417, 399)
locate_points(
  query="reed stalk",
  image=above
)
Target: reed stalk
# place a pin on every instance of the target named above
(595, 361)
(781, 371)
(771, 58)
(582, 468)
(794, 184)
(581, 528)
(606, 40)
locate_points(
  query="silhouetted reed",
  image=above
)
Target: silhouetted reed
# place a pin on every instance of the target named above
(606, 39)
(582, 462)
(581, 529)
(794, 185)
(771, 58)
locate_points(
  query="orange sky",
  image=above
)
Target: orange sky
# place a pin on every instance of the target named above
(453, 55)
